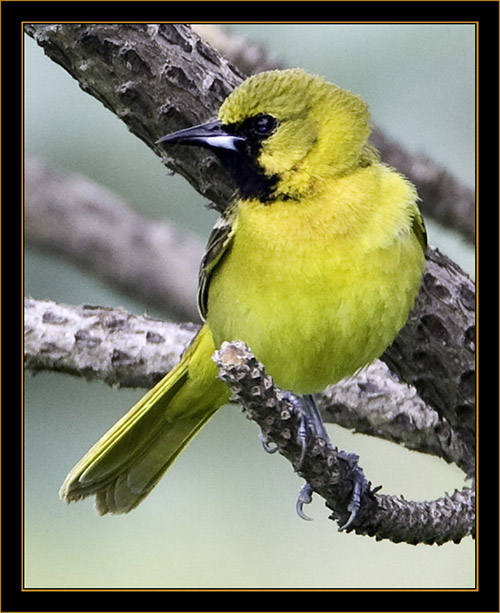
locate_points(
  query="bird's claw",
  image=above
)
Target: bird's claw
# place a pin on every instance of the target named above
(305, 497)
(309, 419)
(355, 502)
(265, 443)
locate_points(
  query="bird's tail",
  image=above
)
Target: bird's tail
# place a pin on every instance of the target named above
(129, 460)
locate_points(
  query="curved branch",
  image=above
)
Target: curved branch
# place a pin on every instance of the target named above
(128, 350)
(150, 76)
(331, 473)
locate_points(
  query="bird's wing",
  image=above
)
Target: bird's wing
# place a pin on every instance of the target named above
(218, 245)
(419, 230)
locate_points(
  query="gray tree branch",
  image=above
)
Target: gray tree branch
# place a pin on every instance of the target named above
(119, 348)
(155, 78)
(101, 343)
(95, 229)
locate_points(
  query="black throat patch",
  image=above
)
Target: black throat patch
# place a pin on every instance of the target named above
(248, 176)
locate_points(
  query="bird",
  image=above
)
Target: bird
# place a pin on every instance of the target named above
(315, 263)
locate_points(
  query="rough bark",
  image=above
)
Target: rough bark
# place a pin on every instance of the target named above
(123, 349)
(156, 78)
(101, 343)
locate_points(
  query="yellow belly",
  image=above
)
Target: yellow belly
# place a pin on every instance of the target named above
(314, 308)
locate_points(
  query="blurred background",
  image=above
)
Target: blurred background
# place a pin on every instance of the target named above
(224, 514)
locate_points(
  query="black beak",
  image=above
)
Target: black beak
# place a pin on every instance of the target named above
(211, 135)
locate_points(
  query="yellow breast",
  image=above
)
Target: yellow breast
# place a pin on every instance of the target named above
(319, 288)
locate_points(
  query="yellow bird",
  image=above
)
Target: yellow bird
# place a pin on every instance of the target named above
(315, 265)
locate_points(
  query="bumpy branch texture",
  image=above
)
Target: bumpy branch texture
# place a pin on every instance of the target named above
(124, 349)
(435, 351)
(156, 78)
(100, 343)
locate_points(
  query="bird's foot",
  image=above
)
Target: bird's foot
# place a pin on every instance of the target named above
(310, 422)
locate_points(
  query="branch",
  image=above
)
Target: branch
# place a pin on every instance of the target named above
(435, 351)
(331, 473)
(100, 343)
(95, 229)
(127, 350)
(158, 78)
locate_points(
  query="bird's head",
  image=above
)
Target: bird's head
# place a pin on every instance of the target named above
(282, 133)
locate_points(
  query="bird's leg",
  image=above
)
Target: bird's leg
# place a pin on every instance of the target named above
(310, 418)
(313, 417)
(302, 438)
(298, 409)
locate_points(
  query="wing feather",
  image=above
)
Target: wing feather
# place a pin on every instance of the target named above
(218, 245)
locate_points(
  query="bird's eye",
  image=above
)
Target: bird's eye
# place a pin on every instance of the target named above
(263, 125)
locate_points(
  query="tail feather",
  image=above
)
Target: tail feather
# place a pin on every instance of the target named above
(129, 488)
(129, 460)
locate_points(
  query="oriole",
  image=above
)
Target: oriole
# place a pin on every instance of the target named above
(315, 265)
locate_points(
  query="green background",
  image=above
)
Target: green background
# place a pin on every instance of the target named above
(224, 515)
